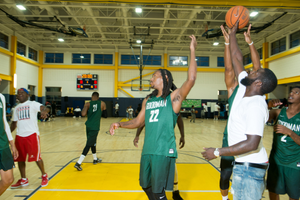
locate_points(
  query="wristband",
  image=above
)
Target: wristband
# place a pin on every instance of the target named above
(251, 43)
(226, 43)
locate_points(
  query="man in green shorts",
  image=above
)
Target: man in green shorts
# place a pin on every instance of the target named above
(6, 158)
(159, 113)
(176, 194)
(93, 110)
(284, 171)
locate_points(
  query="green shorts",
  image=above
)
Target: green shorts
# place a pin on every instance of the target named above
(157, 172)
(91, 137)
(6, 159)
(283, 180)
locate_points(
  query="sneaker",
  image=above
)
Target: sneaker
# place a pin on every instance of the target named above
(44, 180)
(176, 195)
(78, 167)
(20, 183)
(99, 160)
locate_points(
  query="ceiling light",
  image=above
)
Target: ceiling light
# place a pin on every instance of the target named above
(253, 14)
(216, 43)
(60, 39)
(138, 10)
(139, 41)
(21, 7)
(81, 56)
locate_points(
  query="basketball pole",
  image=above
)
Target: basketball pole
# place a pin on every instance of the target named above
(141, 66)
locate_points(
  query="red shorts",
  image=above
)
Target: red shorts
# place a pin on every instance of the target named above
(28, 145)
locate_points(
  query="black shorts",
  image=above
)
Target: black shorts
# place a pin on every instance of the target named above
(6, 159)
(216, 113)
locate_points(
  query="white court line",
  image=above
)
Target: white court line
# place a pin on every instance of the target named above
(79, 190)
(20, 189)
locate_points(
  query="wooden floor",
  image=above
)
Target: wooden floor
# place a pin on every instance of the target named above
(63, 140)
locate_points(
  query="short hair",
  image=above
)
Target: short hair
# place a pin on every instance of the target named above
(95, 94)
(269, 81)
(296, 87)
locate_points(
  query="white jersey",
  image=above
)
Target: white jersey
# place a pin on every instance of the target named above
(217, 107)
(248, 116)
(130, 111)
(117, 106)
(205, 108)
(25, 114)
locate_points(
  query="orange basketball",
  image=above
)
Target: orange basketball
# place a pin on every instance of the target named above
(237, 13)
(196, 111)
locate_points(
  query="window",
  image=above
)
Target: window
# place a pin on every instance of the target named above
(32, 54)
(54, 58)
(278, 46)
(129, 60)
(220, 62)
(178, 60)
(151, 60)
(247, 59)
(21, 49)
(295, 39)
(3, 41)
(81, 58)
(202, 61)
(134, 60)
(103, 59)
(260, 53)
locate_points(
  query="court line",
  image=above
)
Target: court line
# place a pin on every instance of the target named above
(141, 191)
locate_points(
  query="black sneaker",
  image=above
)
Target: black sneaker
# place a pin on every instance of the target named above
(78, 166)
(176, 195)
(99, 160)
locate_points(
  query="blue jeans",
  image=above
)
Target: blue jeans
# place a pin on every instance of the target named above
(248, 183)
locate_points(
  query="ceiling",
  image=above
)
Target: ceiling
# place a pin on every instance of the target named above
(110, 26)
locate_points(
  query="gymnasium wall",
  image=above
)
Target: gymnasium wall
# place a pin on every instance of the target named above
(5, 64)
(27, 75)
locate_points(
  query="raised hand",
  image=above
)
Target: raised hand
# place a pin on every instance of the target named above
(235, 27)
(193, 44)
(226, 33)
(247, 35)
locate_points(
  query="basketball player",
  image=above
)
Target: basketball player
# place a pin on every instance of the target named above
(93, 110)
(27, 138)
(176, 195)
(6, 158)
(232, 87)
(247, 118)
(159, 113)
(284, 171)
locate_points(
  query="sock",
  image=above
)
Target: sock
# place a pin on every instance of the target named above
(24, 179)
(95, 156)
(225, 198)
(81, 159)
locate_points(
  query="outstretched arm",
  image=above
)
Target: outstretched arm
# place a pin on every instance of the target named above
(180, 94)
(230, 80)
(134, 123)
(235, 51)
(181, 130)
(254, 54)
(44, 111)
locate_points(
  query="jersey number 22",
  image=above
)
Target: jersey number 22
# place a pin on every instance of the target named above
(154, 114)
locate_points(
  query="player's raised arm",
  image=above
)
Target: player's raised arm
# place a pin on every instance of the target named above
(180, 94)
(134, 123)
(235, 52)
(254, 54)
(230, 80)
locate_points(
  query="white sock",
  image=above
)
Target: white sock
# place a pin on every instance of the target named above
(81, 159)
(225, 198)
(24, 179)
(95, 156)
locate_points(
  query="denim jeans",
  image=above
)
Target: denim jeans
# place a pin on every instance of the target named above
(248, 183)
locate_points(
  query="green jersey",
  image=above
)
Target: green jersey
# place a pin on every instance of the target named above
(284, 149)
(3, 136)
(94, 115)
(160, 120)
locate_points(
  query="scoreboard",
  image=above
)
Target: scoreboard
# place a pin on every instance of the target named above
(87, 82)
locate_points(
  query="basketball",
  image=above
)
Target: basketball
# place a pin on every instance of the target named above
(237, 13)
(196, 111)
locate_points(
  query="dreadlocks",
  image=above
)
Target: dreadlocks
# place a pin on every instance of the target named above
(168, 84)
